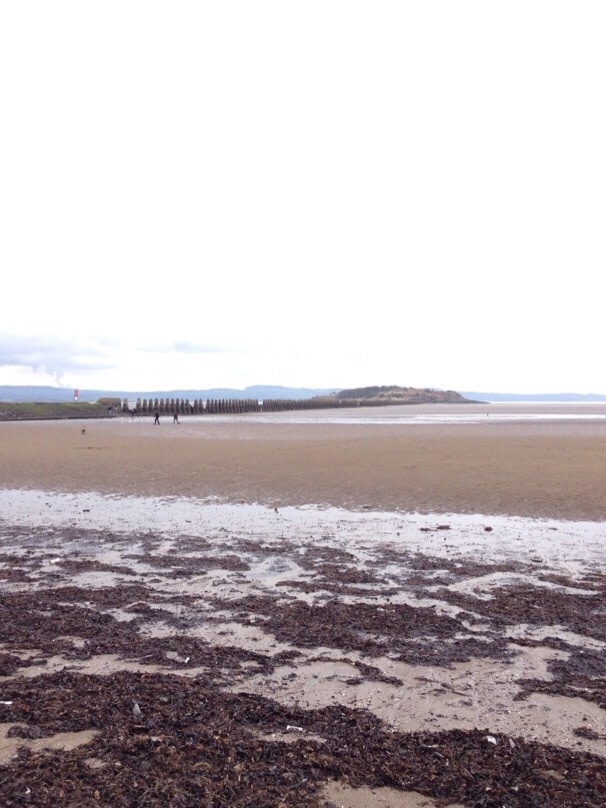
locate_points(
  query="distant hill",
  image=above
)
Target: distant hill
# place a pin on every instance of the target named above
(47, 394)
(64, 394)
(399, 395)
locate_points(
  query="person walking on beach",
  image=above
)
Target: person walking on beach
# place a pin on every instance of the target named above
(157, 417)
(176, 417)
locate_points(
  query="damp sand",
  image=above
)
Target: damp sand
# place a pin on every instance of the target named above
(492, 459)
(164, 535)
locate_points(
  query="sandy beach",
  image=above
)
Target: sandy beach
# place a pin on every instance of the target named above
(398, 610)
(542, 468)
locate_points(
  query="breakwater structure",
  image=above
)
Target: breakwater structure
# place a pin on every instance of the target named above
(361, 397)
(183, 406)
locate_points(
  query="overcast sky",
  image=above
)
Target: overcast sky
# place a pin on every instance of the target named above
(316, 194)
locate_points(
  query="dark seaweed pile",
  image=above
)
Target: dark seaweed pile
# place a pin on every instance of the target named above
(191, 742)
(194, 745)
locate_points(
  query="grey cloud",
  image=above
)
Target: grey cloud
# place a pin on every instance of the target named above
(58, 356)
(54, 355)
(192, 348)
(184, 347)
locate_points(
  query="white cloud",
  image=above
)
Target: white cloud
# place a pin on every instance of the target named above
(321, 194)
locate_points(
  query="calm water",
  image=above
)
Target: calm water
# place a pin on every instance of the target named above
(424, 414)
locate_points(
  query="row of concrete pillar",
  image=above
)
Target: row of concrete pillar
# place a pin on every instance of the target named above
(183, 406)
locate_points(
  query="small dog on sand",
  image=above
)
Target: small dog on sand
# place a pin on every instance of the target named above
(83, 431)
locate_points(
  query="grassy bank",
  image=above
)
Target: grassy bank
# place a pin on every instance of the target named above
(34, 411)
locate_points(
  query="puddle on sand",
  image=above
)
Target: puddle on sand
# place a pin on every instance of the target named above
(62, 741)
(345, 796)
(566, 547)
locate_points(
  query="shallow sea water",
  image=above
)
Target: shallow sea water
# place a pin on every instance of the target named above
(412, 414)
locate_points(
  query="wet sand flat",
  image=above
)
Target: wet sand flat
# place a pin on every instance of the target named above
(533, 468)
(435, 637)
